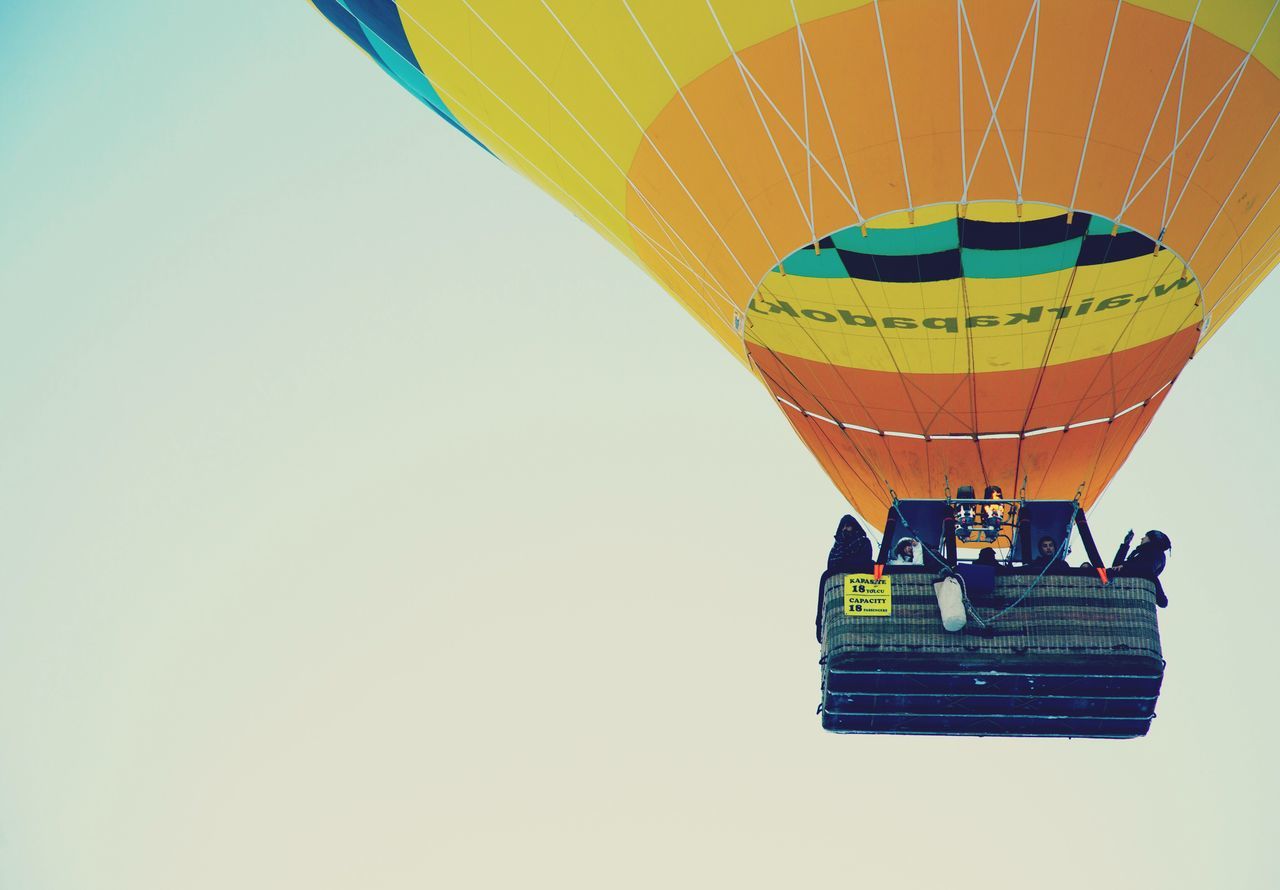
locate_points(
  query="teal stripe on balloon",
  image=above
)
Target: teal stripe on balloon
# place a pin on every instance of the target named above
(913, 241)
(1020, 263)
(408, 74)
(806, 263)
(1100, 225)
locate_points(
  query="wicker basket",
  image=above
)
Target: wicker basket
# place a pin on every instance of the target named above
(1071, 658)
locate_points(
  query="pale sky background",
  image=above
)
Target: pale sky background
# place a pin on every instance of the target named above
(368, 522)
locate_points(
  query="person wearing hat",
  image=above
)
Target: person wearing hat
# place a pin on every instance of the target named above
(1147, 561)
(851, 551)
(850, 555)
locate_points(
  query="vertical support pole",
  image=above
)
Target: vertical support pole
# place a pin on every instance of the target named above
(1090, 548)
(1024, 537)
(949, 535)
(890, 526)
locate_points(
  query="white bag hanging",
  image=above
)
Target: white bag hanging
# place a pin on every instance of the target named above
(950, 603)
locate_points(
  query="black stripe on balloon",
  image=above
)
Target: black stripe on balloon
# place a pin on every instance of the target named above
(983, 235)
(942, 266)
(1099, 249)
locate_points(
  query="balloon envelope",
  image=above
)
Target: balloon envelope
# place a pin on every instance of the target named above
(959, 242)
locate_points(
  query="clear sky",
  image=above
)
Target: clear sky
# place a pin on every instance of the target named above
(333, 557)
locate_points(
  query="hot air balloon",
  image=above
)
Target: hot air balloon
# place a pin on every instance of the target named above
(958, 242)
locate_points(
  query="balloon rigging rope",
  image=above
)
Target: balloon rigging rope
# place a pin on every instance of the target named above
(668, 228)
(1221, 112)
(569, 164)
(594, 141)
(880, 477)
(994, 106)
(1139, 431)
(1242, 279)
(1186, 134)
(1178, 137)
(1136, 373)
(768, 132)
(1140, 428)
(907, 383)
(1257, 251)
(705, 135)
(746, 71)
(973, 379)
(1088, 133)
(1223, 206)
(1053, 334)
(1155, 118)
(1048, 349)
(849, 199)
(1026, 120)
(822, 97)
(964, 164)
(829, 447)
(843, 431)
(666, 255)
(454, 101)
(643, 132)
(893, 103)
(884, 342)
(808, 151)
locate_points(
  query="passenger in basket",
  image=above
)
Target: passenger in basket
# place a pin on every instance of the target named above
(1047, 558)
(1147, 561)
(850, 554)
(907, 552)
(987, 557)
(851, 551)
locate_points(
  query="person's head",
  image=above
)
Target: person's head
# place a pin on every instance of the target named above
(1157, 539)
(906, 548)
(848, 530)
(987, 556)
(993, 493)
(1048, 546)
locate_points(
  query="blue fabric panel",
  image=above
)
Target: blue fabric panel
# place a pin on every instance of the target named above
(941, 266)
(985, 235)
(383, 18)
(345, 22)
(1099, 249)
